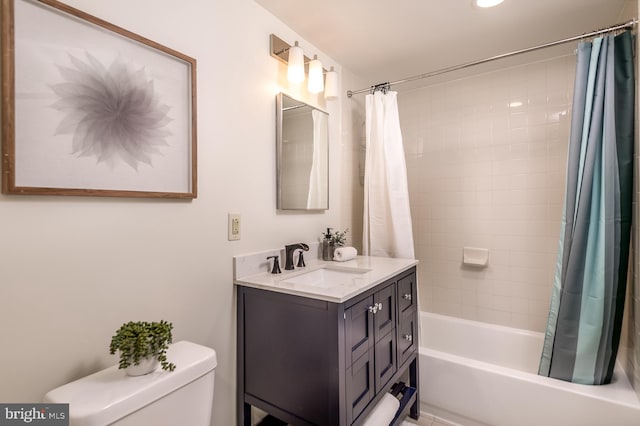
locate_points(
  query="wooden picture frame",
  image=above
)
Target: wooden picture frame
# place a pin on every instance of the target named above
(89, 108)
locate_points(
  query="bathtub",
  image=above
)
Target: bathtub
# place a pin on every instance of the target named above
(475, 374)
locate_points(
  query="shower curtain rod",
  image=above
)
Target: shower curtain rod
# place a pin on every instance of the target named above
(627, 24)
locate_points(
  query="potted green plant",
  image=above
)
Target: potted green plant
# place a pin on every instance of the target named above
(142, 346)
(339, 238)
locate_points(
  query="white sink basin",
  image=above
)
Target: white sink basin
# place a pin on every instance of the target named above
(327, 277)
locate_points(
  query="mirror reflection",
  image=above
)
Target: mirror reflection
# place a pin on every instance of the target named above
(302, 155)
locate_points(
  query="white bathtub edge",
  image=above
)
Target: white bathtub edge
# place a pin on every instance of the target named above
(624, 391)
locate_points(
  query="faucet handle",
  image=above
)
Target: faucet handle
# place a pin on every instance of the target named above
(276, 264)
(300, 260)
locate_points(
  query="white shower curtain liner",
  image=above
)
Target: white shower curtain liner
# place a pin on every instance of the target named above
(387, 229)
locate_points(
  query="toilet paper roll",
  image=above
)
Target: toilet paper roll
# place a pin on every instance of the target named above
(384, 411)
(342, 254)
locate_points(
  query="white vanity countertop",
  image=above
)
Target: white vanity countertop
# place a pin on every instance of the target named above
(379, 270)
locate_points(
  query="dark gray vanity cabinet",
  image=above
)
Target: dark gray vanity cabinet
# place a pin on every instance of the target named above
(312, 362)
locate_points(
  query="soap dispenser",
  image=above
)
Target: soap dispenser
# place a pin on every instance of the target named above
(327, 252)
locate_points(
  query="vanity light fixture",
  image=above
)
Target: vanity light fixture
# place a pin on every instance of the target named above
(298, 65)
(295, 67)
(331, 85)
(487, 3)
(316, 78)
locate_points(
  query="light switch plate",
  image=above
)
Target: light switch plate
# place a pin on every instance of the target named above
(234, 226)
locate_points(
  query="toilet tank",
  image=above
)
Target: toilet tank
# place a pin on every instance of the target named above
(161, 398)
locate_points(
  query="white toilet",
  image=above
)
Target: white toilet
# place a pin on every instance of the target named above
(161, 398)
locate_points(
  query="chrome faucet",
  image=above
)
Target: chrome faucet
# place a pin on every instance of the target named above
(289, 250)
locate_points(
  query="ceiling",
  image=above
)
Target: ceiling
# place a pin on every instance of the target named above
(388, 40)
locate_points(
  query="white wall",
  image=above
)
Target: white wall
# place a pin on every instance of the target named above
(74, 269)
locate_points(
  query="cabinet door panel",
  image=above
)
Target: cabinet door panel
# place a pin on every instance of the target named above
(359, 330)
(385, 318)
(360, 386)
(385, 359)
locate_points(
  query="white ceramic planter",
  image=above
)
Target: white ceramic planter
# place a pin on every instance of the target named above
(146, 366)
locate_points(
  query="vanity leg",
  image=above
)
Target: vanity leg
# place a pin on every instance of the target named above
(414, 412)
(246, 415)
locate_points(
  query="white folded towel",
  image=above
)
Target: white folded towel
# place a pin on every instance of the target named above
(344, 253)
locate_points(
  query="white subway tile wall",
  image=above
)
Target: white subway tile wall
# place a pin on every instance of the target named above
(486, 158)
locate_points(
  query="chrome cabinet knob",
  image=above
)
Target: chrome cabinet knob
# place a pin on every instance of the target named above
(407, 296)
(375, 308)
(408, 337)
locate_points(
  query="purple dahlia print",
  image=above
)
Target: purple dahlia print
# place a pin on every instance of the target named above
(112, 112)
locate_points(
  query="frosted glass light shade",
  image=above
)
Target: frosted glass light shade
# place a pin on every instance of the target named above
(316, 80)
(331, 85)
(295, 69)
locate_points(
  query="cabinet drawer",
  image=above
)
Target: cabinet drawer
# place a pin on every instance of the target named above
(407, 338)
(407, 300)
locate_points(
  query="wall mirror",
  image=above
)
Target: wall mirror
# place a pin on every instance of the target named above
(302, 145)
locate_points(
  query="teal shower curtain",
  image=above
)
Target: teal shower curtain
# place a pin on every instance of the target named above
(583, 330)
